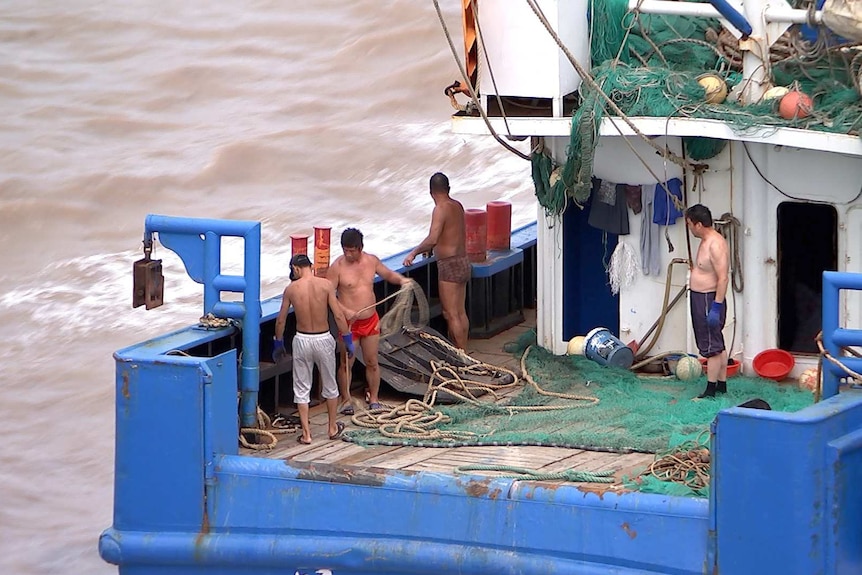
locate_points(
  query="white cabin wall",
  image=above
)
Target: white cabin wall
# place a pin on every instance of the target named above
(549, 283)
(808, 175)
(615, 161)
(729, 185)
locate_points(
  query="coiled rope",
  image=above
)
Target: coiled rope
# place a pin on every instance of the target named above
(268, 429)
(418, 419)
(686, 464)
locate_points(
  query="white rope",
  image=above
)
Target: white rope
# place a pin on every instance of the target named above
(623, 267)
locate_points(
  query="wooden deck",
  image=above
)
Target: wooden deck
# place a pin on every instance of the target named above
(445, 459)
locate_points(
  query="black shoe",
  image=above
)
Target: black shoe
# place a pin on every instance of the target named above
(708, 392)
(721, 387)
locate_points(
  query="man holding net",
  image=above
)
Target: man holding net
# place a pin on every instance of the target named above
(352, 274)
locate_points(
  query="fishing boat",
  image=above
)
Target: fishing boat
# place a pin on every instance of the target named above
(752, 109)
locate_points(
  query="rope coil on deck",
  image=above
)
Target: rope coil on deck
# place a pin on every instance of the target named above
(418, 420)
(686, 464)
(268, 429)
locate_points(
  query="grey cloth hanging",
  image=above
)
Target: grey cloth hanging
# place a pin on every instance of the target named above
(608, 208)
(650, 235)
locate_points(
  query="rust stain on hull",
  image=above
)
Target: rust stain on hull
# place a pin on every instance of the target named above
(629, 531)
(125, 389)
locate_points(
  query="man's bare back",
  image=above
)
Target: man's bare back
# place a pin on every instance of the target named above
(452, 240)
(448, 238)
(311, 298)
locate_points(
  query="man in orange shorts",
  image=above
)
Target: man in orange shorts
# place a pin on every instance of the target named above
(352, 274)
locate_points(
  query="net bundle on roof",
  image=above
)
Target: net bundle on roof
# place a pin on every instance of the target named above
(649, 66)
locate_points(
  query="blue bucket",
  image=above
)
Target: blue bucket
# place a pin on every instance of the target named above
(603, 347)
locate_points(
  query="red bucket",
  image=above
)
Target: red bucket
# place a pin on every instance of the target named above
(774, 364)
(476, 221)
(298, 244)
(499, 225)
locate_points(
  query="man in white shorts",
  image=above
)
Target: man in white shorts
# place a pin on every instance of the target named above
(312, 298)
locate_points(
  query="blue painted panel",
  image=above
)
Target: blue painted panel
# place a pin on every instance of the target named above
(587, 299)
(491, 518)
(159, 467)
(220, 424)
(263, 554)
(844, 500)
(496, 262)
(770, 479)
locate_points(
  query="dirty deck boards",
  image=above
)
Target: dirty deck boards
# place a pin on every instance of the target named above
(446, 459)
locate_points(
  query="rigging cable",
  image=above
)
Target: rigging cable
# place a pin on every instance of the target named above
(794, 198)
(587, 77)
(472, 90)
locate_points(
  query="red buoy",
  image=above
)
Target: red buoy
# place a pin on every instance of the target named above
(499, 225)
(476, 222)
(795, 105)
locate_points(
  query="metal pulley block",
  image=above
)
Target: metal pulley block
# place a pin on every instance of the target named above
(148, 281)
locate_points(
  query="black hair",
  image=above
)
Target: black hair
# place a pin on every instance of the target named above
(699, 214)
(439, 183)
(351, 238)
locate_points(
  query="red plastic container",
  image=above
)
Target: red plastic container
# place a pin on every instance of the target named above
(476, 222)
(321, 250)
(773, 364)
(732, 366)
(298, 244)
(499, 225)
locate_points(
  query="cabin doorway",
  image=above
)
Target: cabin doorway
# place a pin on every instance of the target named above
(587, 301)
(807, 246)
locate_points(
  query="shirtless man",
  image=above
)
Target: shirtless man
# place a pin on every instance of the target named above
(708, 284)
(447, 237)
(312, 298)
(352, 275)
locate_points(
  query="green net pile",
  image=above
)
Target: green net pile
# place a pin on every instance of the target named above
(641, 414)
(649, 66)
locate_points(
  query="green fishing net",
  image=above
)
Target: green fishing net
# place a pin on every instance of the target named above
(649, 66)
(634, 413)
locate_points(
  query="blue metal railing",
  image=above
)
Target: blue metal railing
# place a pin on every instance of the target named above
(834, 336)
(197, 242)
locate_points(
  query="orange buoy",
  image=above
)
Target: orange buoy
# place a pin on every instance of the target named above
(795, 105)
(499, 225)
(298, 244)
(476, 222)
(321, 251)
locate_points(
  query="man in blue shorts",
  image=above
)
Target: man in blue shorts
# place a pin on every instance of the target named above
(708, 285)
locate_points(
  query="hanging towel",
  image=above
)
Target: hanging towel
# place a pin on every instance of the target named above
(665, 212)
(633, 198)
(650, 236)
(608, 210)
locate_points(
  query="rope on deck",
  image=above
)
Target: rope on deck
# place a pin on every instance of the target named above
(522, 473)
(418, 420)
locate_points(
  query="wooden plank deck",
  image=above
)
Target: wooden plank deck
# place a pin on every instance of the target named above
(447, 459)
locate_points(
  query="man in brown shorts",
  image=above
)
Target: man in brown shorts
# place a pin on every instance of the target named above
(448, 238)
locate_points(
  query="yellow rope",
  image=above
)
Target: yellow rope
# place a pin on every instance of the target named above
(418, 419)
(267, 429)
(687, 464)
